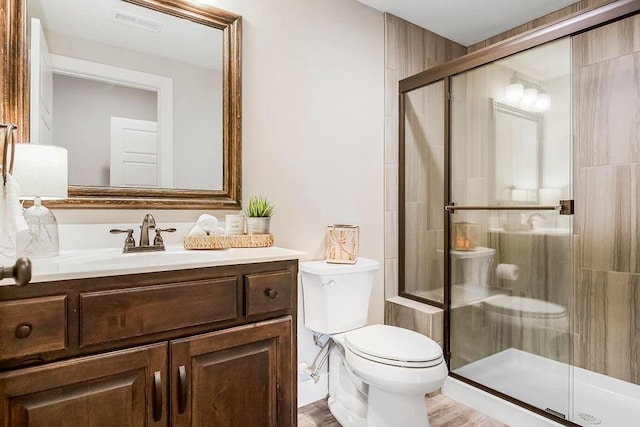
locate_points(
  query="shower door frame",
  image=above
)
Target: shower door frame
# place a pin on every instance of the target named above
(572, 25)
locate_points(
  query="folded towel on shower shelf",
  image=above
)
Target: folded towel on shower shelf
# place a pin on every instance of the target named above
(10, 208)
(207, 223)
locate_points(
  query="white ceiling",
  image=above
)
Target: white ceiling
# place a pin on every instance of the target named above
(178, 39)
(468, 21)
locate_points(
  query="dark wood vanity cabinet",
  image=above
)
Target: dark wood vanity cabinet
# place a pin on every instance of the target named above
(121, 388)
(233, 377)
(203, 347)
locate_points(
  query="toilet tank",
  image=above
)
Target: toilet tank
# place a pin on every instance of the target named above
(335, 297)
(470, 268)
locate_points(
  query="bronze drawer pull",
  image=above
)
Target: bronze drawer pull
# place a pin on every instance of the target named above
(183, 388)
(157, 396)
(23, 330)
(271, 293)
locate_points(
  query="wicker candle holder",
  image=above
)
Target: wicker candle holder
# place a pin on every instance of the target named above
(342, 244)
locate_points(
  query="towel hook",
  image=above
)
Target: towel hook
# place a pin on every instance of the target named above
(9, 137)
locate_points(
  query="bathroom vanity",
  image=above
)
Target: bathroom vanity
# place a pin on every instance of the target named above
(199, 342)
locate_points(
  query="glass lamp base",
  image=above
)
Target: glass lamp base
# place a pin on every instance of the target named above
(41, 240)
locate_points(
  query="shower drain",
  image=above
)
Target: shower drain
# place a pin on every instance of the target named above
(590, 419)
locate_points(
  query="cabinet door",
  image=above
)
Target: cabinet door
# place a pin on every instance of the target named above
(122, 388)
(236, 377)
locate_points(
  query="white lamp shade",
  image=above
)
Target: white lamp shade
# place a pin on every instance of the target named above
(41, 171)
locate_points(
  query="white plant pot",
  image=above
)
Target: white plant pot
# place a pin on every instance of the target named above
(258, 225)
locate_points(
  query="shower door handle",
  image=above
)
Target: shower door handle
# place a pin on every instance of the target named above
(566, 207)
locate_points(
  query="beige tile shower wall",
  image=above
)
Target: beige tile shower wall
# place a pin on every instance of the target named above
(409, 49)
(607, 175)
(559, 14)
(424, 186)
(413, 315)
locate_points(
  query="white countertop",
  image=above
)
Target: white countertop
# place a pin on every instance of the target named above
(112, 262)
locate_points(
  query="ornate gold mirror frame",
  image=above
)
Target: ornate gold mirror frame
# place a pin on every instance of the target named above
(14, 108)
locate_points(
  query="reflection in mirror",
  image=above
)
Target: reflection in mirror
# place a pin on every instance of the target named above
(516, 153)
(120, 82)
(144, 94)
(511, 127)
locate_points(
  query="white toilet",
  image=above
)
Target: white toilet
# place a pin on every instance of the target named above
(378, 374)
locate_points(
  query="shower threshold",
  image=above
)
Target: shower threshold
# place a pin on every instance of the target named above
(594, 399)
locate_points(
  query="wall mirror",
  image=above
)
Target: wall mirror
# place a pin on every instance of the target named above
(144, 94)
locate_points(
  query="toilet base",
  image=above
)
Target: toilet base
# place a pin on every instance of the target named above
(383, 410)
(347, 397)
(391, 409)
(354, 403)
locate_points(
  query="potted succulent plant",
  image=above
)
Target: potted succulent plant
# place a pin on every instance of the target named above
(259, 212)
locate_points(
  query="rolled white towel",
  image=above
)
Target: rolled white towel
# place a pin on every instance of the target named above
(197, 231)
(207, 222)
(218, 231)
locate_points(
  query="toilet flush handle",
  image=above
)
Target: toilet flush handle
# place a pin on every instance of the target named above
(329, 283)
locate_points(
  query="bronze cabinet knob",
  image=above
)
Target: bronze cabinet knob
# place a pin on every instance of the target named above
(23, 331)
(271, 293)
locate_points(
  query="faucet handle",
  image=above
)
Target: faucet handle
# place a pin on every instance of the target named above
(157, 241)
(129, 242)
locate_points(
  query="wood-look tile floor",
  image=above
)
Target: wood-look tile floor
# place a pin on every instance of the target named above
(442, 412)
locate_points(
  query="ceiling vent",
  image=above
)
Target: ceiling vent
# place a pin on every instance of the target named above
(137, 21)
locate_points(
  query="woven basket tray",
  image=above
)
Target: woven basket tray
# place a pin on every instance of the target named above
(223, 242)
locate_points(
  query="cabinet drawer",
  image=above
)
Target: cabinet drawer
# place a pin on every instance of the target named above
(125, 313)
(267, 292)
(32, 326)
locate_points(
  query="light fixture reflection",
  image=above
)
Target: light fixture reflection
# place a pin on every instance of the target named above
(543, 102)
(514, 92)
(527, 94)
(529, 97)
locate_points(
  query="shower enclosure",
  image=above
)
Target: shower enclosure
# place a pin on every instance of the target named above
(519, 202)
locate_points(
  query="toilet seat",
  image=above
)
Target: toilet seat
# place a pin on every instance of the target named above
(524, 307)
(393, 346)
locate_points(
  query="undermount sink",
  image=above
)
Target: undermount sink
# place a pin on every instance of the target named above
(75, 264)
(552, 231)
(542, 231)
(112, 258)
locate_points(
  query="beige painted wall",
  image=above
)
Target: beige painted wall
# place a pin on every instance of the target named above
(313, 117)
(312, 123)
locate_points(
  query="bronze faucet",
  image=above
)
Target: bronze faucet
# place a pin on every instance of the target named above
(148, 223)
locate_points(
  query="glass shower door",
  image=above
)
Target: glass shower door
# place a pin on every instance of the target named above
(510, 255)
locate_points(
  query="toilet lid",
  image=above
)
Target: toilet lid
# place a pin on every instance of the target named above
(393, 346)
(524, 307)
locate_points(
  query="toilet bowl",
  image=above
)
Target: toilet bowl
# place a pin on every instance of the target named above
(539, 325)
(378, 374)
